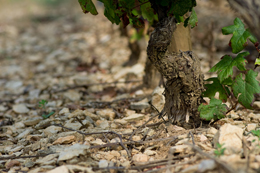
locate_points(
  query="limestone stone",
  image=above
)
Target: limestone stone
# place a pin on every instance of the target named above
(230, 136)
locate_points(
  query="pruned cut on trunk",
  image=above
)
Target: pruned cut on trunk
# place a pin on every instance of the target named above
(182, 70)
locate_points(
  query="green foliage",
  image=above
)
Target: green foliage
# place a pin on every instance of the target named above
(125, 10)
(220, 150)
(240, 35)
(42, 105)
(256, 133)
(215, 110)
(88, 6)
(224, 67)
(192, 20)
(235, 89)
(215, 87)
(244, 89)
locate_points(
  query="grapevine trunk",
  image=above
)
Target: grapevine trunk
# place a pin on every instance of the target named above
(182, 70)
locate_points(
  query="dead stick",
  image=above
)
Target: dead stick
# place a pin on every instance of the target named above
(226, 167)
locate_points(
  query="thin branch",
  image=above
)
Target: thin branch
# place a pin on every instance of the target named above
(130, 138)
(23, 157)
(120, 137)
(139, 5)
(88, 85)
(226, 167)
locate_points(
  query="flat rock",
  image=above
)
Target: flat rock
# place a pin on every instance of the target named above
(72, 95)
(207, 165)
(24, 133)
(158, 99)
(134, 117)
(103, 124)
(64, 111)
(139, 159)
(76, 113)
(108, 114)
(251, 126)
(103, 164)
(60, 169)
(64, 140)
(48, 160)
(120, 121)
(139, 105)
(230, 136)
(181, 149)
(91, 115)
(52, 130)
(20, 108)
(32, 121)
(73, 151)
(3, 108)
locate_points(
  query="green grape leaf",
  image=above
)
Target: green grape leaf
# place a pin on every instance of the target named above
(224, 68)
(164, 2)
(240, 35)
(256, 132)
(180, 7)
(128, 4)
(137, 22)
(147, 11)
(244, 89)
(257, 61)
(111, 11)
(215, 87)
(88, 6)
(215, 110)
(192, 19)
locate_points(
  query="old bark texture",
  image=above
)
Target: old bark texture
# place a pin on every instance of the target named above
(182, 70)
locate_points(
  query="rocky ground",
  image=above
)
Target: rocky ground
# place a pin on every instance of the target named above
(68, 105)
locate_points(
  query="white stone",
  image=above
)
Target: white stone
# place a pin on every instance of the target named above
(76, 113)
(150, 152)
(181, 149)
(20, 108)
(140, 158)
(250, 127)
(230, 136)
(52, 130)
(103, 164)
(120, 121)
(64, 111)
(158, 99)
(206, 165)
(32, 121)
(134, 117)
(3, 108)
(212, 131)
(97, 142)
(108, 114)
(19, 125)
(48, 160)
(13, 85)
(72, 95)
(103, 124)
(24, 133)
(60, 169)
(73, 151)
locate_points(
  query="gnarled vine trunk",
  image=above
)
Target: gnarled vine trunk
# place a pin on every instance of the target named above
(181, 69)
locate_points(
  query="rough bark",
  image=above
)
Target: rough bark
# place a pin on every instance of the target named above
(181, 40)
(250, 12)
(182, 70)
